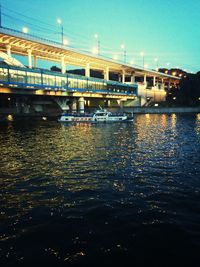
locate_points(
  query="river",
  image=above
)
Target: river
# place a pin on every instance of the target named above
(117, 194)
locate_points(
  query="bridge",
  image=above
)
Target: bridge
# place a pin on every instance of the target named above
(26, 86)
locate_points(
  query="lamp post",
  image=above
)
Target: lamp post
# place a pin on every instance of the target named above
(96, 36)
(142, 55)
(59, 21)
(156, 61)
(0, 16)
(124, 49)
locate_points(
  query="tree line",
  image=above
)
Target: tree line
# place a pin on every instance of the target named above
(188, 92)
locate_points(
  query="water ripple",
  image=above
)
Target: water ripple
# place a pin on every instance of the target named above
(101, 195)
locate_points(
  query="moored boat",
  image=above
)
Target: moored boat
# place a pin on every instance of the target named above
(100, 115)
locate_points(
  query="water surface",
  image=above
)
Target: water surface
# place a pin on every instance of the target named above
(121, 194)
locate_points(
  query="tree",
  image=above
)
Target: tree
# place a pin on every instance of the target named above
(189, 93)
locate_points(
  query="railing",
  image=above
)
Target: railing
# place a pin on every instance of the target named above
(30, 37)
(36, 79)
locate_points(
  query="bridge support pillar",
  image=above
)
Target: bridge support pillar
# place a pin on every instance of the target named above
(38, 108)
(35, 61)
(145, 78)
(22, 105)
(29, 58)
(26, 108)
(74, 106)
(81, 103)
(120, 103)
(123, 76)
(62, 103)
(154, 80)
(63, 65)
(169, 84)
(87, 70)
(132, 78)
(106, 74)
(8, 47)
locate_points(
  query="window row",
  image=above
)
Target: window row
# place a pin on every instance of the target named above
(23, 77)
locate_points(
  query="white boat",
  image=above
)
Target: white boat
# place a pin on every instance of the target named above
(100, 115)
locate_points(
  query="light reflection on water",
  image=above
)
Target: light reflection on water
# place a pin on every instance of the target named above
(91, 190)
(197, 124)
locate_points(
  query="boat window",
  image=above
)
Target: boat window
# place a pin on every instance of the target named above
(100, 114)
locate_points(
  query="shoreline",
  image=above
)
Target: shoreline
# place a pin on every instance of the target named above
(164, 110)
(4, 116)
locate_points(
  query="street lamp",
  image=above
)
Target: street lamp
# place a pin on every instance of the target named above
(142, 55)
(0, 16)
(96, 36)
(59, 21)
(124, 49)
(156, 61)
(115, 57)
(94, 51)
(65, 42)
(25, 30)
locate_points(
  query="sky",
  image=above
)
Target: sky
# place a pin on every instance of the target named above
(168, 30)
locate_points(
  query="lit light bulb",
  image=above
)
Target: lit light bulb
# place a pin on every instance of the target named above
(25, 30)
(65, 42)
(94, 51)
(59, 21)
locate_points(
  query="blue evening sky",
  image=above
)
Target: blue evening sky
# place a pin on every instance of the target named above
(165, 29)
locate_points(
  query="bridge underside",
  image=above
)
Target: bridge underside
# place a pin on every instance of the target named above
(20, 103)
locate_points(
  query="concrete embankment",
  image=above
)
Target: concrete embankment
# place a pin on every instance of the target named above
(161, 110)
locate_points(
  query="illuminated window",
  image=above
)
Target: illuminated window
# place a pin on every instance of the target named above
(3, 74)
